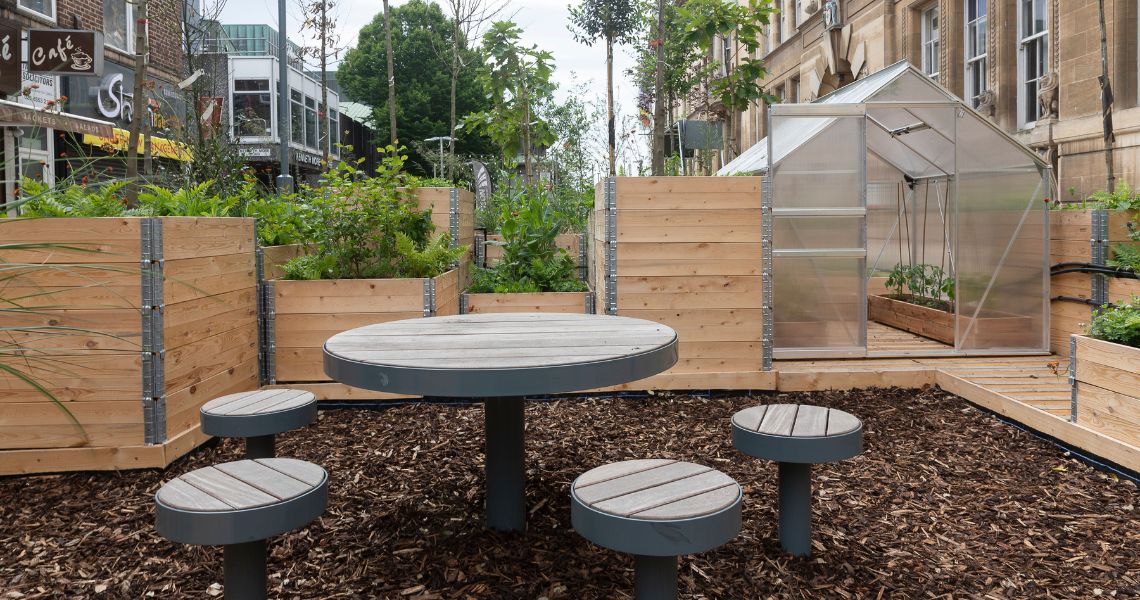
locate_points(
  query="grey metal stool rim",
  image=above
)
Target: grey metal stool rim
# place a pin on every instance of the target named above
(809, 450)
(223, 528)
(645, 537)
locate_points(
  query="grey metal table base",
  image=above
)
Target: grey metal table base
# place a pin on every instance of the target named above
(654, 577)
(505, 466)
(245, 570)
(795, 508)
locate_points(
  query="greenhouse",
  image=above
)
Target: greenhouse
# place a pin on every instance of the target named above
(894, 204)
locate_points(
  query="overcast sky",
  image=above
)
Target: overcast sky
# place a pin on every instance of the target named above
(543, 23)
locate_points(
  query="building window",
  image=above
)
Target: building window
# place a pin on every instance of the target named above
(779, 37)
(930, 42)
(1033, 58)
(794, 90)
(43, 8)
(252, 108)
(975, 51)
(796, 12)
(311, 123)
(119, 24)
(297, 117)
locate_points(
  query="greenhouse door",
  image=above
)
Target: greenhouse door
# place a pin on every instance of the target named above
(819, 251)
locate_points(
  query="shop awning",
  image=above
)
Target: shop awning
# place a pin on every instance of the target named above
(119, 139)
(13, 114)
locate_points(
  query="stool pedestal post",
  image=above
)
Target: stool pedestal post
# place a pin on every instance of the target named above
(261, 446)
(505, 466)
(655, 577)
(245, 571)
(795, 508)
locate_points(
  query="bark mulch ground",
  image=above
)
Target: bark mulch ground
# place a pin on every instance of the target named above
(946, 501)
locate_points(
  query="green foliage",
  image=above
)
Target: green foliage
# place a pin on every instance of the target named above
(1123, 198)
(420, 31)
(40, 200)
(532, 262)
(927, 285)
(196, 201)
(1126, 256)
(702, 21)
(358, 223)
(280, 220)
(1120, 325)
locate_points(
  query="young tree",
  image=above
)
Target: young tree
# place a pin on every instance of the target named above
(738, 26)
(391, 76)
(1106, 100)
(141, 111)
(615, 21)
(658, 158)
(517, 79)
(320, 20)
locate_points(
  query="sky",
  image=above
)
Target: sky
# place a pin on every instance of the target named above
(543, 23)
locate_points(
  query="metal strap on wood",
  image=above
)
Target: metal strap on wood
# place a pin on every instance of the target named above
(429, 297)
(453, 215)
(1099, 246)
(611, 246)
(480, 248)
(589, 303)
(259, 292)
(153, 349)
(583, 259)
(1073, 378)
(766, 273)
(269, 307)
(463, 304)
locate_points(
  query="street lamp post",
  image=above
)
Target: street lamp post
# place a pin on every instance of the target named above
(441, 139)
(284, 179)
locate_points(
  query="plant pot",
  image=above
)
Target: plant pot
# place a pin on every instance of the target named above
(303, 314)
(135, 392)
(917, 319)
(539, 302)
(1107, 387)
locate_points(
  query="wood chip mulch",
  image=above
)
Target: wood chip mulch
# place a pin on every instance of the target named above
(945, 502)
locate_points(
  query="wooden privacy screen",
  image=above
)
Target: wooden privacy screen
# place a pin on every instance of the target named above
(165, 318)
(686, 252)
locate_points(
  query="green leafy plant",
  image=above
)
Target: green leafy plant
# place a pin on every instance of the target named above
(926, 285)
(1122, 198)
(532, 261)
(1125, 256)
(1120, 325)
(194, 201)
(38, 199)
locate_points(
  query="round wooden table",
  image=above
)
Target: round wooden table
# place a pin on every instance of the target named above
(501, 358)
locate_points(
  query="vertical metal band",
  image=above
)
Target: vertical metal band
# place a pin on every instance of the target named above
(611, 246)
(1073, 378)
(429, 296)
(1099, 246)
(269, 305)
(480, 248)
(259, 293)
(766, 278)
(589, 303)
(153, 346)
(462, 304)
(453, 215)
(583, 258)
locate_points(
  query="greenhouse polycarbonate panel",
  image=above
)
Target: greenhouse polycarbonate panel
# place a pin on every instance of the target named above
(1002, 243)
(819, 249)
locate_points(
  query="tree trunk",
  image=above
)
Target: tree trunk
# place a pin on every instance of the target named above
(323, 127)
(526, 130)
(139, 101)
(610, 104)
(658, 166)
(454, 87)
(391, 76)
(1106, 101)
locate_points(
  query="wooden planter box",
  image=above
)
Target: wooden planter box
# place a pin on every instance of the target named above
(541, 302)
(573, 243)
(301, 315)
(920, 320)
(135, 394)
(273, 259)
(1106, 387)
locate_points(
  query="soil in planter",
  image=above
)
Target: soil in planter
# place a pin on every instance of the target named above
(945, 501)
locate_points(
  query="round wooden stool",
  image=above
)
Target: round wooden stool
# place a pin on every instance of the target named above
(238, 505)
(258, 417)
(796, 436)
(656, 510)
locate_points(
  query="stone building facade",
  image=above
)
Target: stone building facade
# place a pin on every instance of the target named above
(1029, 65)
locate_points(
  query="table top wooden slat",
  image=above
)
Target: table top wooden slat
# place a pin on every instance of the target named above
(779, 419)
(659, 495)
(701, 504)
(241, 485)
(634, 482)
(515, 340)
(811, 421)
(840, 422)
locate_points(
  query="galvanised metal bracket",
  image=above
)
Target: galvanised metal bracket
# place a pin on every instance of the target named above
(462, 304)
(453, 215)
(429, 297)
(611, 246)
(269, 304)
(766, 275)
(589, 303)
(480, 248)
(151, 307)
(1073, 378)
(1099, 246)
(259, 256)
(583, 258)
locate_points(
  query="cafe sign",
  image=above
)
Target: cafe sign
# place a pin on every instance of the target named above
(10, 80)
(65, 51)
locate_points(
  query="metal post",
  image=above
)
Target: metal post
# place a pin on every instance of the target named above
(795, 508)
(284, 179)
(260, 446)
(245, 571)
(505, 466)
(655, 577)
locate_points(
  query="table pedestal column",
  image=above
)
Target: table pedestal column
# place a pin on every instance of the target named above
(245, 570)
(795, 508)
(505, 467)
(655, 577)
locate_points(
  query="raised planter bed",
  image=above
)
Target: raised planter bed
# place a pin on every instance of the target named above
(573, 243)
(541, 302)
(273, 259)
(1106, 387)
(938, 324)
(135, 394)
